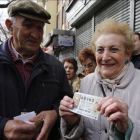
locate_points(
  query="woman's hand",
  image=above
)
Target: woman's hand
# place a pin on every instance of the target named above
(66, 104)
(116, 110)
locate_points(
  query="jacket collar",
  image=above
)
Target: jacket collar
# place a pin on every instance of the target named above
(124, 81)
(4, 50)
(40, 61)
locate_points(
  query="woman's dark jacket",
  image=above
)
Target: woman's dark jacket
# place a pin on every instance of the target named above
(47, 85)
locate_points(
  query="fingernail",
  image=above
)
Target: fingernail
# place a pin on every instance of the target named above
(101, 113)
(108, 119)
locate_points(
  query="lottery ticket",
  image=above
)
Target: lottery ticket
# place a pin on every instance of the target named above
(86, 105)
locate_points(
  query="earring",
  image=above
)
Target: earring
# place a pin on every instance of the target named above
(126, 61)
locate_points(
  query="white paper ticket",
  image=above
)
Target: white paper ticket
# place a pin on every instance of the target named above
(86, 105)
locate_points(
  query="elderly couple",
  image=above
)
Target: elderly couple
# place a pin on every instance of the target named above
(31, 80)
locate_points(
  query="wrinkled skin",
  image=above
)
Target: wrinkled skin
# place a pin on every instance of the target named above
(15, 129)
(27, 36)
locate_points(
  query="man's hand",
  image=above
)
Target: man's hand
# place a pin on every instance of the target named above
(16, 129)
(49, 118)
(116, 110)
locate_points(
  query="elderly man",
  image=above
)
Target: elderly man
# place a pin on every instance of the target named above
(30, 80)
(136, 53)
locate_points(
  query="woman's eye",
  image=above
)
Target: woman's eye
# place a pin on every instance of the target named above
(100, 50)
(114, 49)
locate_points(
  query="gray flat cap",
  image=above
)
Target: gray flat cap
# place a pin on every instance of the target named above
(29, 9)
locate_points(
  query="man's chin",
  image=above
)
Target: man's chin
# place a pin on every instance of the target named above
(33, 48)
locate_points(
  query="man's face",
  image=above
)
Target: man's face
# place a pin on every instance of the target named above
(137, 45)
(27, 35)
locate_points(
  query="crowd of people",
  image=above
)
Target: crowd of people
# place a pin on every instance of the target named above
(87, 59)
(33, 80)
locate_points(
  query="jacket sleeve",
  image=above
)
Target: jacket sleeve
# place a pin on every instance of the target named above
(65, 90)
(121, 136)
(3, 121)
(72, 133)
(135, 135)
(134, 130)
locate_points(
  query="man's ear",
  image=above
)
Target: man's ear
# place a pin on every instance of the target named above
(9, 26)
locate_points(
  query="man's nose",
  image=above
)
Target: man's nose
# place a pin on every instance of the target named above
(34, 33)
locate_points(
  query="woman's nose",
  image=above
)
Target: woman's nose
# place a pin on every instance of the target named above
(67, 69)
(106, 55)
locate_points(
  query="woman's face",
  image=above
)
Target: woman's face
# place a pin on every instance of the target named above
(110, 54)
(69, 70)
(89, 65)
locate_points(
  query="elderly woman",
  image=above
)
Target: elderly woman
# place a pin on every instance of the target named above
(115, 80)
(87, 59)
(70, 65)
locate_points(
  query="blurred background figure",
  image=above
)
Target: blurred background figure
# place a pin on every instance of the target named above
(48, 49)
(136, 53)
(87, 59)
(70, 65)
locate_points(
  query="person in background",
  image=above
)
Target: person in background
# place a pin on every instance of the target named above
(87, 59)
(136, 53)
(70, 65)
(48, 49)
(115, 80)
(30, 80)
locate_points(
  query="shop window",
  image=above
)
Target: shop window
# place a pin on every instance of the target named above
(64, 15)
(58, 22)
(58, 1)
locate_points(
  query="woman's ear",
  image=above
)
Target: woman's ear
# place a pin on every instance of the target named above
(9, 26)
(129, 56)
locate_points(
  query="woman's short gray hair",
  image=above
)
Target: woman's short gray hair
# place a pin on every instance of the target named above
(112, 26)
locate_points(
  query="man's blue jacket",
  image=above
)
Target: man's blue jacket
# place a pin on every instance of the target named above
(47, 85)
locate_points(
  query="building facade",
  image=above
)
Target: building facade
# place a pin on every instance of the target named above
(85, 15)
(82, 17)
(62, 38)
(51, 7)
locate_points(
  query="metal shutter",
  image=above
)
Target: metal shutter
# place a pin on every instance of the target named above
(83, 38)
(118, 9)
(137, 16)
(83, 35)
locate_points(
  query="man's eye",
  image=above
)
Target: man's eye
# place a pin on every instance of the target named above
(40, 29)
(28, 25)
